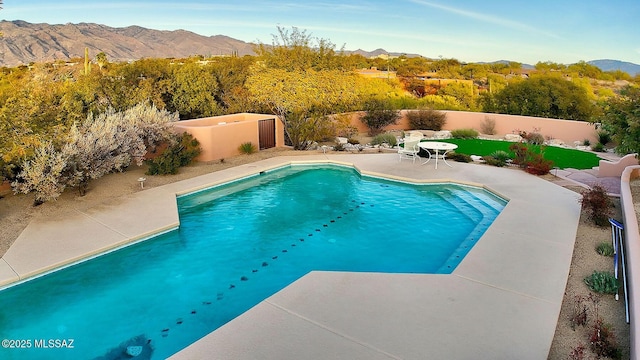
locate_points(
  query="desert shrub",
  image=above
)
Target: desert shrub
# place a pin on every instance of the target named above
(92, 148)
(580, 313)
(604, 137)
(598, 147)
(464, 133)
(577, 353)
(343, 127)
(520, 152)
(602, 341)
(537, 164)
(377, 115)
(488, 126)
(427, 119)
(178, 154)
(384, 139)
(464, 158)
(44, 175)
(339, 146)
(605, 249)
(533, 138)
(586, 142)
(490, 160)
(530, 158)
(247, 148)
(497, 158)
(353, 141)
(602, 282)
(597, 204)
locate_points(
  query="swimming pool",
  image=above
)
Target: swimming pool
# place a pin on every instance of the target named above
(238, 244)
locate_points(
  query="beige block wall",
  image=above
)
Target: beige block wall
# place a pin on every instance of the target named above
(221, 136)
(565, 130)
(632, 255)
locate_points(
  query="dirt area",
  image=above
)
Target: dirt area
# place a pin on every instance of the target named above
(568, 339)
(16, 211)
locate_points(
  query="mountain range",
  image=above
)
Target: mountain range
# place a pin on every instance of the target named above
(23, 43)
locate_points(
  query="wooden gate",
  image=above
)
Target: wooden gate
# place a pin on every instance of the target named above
(267, 133)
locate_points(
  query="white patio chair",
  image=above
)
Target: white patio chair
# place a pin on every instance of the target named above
(410, 149)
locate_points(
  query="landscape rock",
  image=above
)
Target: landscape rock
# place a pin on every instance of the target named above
(444, 134)
(556, 142)
(513, 137)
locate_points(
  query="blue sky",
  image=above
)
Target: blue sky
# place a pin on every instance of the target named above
(467, 30)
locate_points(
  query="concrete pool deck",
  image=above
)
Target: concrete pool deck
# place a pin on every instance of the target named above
(501, 302)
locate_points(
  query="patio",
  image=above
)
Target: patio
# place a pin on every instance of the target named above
(502, 301)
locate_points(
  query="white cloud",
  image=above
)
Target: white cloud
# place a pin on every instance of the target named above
(486, 18)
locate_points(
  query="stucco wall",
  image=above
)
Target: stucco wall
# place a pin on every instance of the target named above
(221, 136)
(632, 253)
(568, 131)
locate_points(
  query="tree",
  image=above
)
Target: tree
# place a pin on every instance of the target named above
(584, 69)
(301, 97)
(549, 66)
(462, 92)
(621, 118)
(194, 91)
(101, 59)
(297, 50)
(231, 74)
(143, 81)
(545, 96)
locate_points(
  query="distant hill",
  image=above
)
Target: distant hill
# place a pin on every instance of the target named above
(612, 65)
(24, 42)
(507, 62)
(378, 52)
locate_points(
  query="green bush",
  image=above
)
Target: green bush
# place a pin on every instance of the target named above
(464, 133)
(604, 137)
(176, 155)
(427, 119)
(602, 282)
(501, 158)
(598, 147)
(605, 249)
(490, 160)
(247, 148)
(459, 157)
(384, 139)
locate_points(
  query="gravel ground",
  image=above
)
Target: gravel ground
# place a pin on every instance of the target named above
(16, 211)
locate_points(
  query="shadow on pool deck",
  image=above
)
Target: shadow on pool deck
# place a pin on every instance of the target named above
(501, 302)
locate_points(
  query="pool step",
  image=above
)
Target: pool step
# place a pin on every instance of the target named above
(480, 210)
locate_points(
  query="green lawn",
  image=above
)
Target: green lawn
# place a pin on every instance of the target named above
(561, 157)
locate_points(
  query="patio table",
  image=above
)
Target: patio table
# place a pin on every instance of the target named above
(437, 146)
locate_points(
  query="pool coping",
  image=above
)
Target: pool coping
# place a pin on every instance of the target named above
(519, 268)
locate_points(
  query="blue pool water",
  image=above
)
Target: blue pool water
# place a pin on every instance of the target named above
(238, 244)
